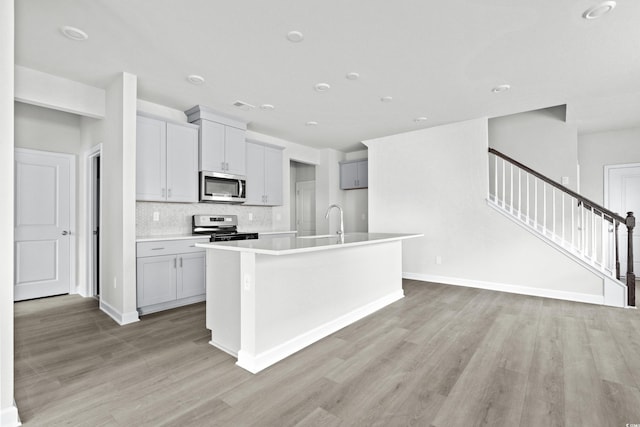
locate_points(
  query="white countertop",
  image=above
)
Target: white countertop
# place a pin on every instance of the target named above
(286, 245)
(169, 237)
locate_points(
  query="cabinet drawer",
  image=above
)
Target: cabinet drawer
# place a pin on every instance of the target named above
(169, 247)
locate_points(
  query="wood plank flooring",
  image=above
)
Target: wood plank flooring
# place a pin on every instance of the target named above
(442, 356)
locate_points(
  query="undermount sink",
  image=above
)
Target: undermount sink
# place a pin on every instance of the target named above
(319, 236)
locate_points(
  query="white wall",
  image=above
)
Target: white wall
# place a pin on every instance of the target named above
(118, 272)
(45, 90)
(435, 182)
(539, 139)
(596, 150)
(8, 412)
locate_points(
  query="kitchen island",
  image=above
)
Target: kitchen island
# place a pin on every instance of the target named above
(268, 298)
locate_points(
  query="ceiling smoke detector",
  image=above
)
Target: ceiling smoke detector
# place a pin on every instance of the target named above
(599, 10)
(420, 119)
(352, 76)
(244, 106)
(267, 107)
(311, 123)
(386, 99)
(74, 33)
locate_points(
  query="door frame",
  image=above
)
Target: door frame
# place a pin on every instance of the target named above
(96, 151)
(607, 168)
(73, 288)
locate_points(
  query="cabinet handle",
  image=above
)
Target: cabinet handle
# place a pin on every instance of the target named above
(175, 263)
(222, 165)
(180, 262)
(169, 193)
(157, 249)
(164, 193)
(227, 165)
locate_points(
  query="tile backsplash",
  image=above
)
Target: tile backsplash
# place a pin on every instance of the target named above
(175, 218)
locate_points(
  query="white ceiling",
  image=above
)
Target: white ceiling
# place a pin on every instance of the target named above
(436, 59)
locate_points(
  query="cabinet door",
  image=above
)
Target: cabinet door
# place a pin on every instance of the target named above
(191, 274)
(235, 151)
(273, 176)
(156, 279)
(348, 175)
(255, 174)
(182, 163)
(151, 165)
(363, 174)
(212, 146)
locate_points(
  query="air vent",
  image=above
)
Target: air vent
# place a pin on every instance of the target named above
(243, 105)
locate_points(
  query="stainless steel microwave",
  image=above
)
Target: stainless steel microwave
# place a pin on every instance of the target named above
(222, 187)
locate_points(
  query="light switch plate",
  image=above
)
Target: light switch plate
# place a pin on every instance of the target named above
(156, 216)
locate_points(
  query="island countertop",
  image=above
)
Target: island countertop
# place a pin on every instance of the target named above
(293, 245)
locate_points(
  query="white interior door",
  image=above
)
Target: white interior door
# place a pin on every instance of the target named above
(623, 194)
(306, 208)
(42, 224)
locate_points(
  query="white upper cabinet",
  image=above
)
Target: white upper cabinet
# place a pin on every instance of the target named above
(222, 141)
(222, 148)
(166, 161)
(211, 146)
(354, 174)
(151, 159)
(182, 163)
(264, 175)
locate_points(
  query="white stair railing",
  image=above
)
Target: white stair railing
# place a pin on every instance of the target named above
(575, 224)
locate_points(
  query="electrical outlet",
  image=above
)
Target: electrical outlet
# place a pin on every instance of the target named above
(156, 216)
(438, 259)
(565, 180)
(247, 282)
(250, 216)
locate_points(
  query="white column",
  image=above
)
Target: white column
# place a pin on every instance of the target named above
(118, 272)
(8, 411)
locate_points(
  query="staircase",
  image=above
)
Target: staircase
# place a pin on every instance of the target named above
(581, 229)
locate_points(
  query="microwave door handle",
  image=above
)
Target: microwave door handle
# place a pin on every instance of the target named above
(241, 192)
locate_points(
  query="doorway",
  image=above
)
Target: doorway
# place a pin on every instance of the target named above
(622, 195)
(303, 198)
(94, 215)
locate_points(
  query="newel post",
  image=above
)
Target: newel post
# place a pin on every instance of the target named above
(631, 278)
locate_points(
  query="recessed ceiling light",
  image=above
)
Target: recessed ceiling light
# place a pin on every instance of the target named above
(353, 76)
(267, 107)
(501, 88)
(295, 36)
(386, 99)
(195, 79)
(419, 119)
(599, 10)
(74, 33)
(322, 87)
(311, 123)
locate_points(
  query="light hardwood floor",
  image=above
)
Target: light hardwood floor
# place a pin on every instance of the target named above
(442, 356)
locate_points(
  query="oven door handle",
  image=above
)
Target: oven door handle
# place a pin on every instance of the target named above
(241, 192)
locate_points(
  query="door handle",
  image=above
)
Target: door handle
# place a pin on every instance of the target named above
(65, 232)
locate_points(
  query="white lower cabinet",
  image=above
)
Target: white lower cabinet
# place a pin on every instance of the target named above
(170, 273)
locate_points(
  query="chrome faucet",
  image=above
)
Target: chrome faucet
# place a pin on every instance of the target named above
(341, 231)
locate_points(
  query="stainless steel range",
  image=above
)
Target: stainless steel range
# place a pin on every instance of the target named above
(219, 227)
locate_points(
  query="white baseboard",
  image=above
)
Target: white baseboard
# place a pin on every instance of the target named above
(120, 318)
(9, 417)
(223, 348)
(258, 362)
(503, 287)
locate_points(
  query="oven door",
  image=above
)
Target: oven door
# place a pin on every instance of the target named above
(221, 187)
